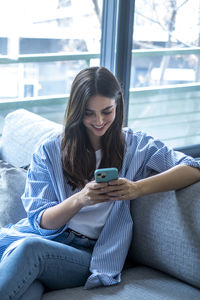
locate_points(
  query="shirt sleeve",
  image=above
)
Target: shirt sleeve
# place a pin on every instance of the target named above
(39, 191)
(159, 158)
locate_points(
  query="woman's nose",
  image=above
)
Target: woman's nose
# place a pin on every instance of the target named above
(99, 119)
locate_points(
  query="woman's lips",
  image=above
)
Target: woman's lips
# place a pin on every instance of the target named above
(99, 127)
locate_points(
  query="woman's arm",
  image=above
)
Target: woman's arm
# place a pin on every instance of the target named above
(172, 179)
(57, 216)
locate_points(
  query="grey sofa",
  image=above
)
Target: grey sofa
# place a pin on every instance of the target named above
(164, 257)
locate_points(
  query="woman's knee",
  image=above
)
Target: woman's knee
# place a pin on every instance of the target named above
(31, 245)
(31, 241)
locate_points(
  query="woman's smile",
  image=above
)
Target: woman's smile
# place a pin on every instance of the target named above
(99, 127)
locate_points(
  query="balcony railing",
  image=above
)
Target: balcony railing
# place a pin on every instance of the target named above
(142, 98)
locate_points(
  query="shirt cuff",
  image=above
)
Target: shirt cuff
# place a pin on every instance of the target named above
(43, 231)
(191, 162)
(96, 280)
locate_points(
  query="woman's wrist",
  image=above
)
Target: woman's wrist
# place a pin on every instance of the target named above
(133, 189)
(78, 198)
(143, 187)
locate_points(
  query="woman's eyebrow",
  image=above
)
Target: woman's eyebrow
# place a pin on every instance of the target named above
(111, 106)
(108, 107)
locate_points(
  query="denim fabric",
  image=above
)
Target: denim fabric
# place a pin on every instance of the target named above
(34, 292)
(61, 263)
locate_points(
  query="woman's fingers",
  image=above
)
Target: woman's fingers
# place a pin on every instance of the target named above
(120, 189)
(92, 193)
(117, 182)
(96, 186)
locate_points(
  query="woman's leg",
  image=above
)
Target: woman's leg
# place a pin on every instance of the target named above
(34, 292)
(54, 264)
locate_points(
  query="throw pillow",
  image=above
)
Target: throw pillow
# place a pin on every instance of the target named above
(12, 184)
(22, 132)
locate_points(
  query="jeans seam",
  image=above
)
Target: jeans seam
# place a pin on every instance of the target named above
(48, 256)
(23, 281)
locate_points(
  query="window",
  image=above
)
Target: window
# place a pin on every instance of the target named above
(53, 43)
(148, 44)
(164, 95)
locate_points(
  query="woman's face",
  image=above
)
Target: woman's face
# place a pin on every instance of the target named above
(99, 115)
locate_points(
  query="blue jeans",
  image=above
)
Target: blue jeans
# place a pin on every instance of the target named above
(37, 264)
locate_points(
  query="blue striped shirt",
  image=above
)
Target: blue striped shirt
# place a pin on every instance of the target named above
(46, 186)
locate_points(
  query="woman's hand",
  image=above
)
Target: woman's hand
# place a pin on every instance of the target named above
(93, 193)
(122, 189)
(57, 216)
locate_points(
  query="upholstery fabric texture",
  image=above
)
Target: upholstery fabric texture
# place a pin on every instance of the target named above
(12, 183)
(139, 283)
(22, 132)
(166, 233)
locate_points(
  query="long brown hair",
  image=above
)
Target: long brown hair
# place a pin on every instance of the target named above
(78, 156)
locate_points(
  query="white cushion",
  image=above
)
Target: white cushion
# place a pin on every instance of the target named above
(22, 132)
(12, 183)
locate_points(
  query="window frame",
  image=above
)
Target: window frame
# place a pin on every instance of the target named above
(116, 50)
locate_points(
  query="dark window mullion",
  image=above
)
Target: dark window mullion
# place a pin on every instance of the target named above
(108, 35)
(124, 44)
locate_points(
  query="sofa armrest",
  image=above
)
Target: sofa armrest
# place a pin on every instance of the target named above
(166, 232)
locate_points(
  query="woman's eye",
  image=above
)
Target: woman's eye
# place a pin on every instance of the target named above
(107, 112)
(88, 113)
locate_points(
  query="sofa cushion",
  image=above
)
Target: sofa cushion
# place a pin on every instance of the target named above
(139, 283)
(12, 183)
(166, 232)
(22, 132)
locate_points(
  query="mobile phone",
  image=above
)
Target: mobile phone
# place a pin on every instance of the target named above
(105, 175)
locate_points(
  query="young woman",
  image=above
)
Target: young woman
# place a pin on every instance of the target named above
(78, 232)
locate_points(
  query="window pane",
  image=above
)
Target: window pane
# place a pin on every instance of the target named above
(38, 28)
(165, 72)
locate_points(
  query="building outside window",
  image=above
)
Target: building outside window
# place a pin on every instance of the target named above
(37, 29)
(165, 72)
